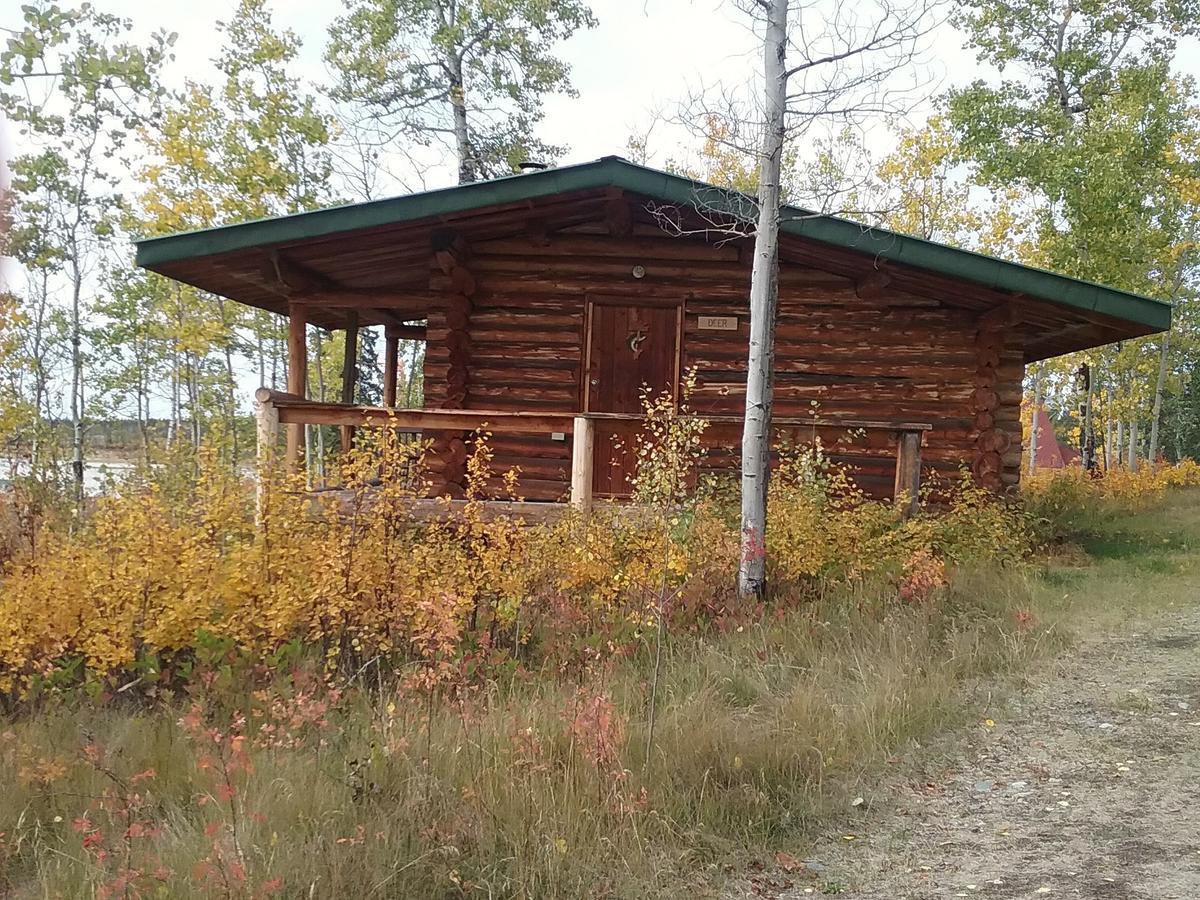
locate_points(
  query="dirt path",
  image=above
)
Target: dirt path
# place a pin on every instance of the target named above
(1087, 784)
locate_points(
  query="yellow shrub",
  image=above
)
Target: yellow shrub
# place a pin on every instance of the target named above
(157, 573)
(1070, 500)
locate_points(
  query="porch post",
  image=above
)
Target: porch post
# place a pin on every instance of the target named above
(391, 366)
(349, 372)
(267, 432)
(297, 379)
(583, 441)
(908, 470)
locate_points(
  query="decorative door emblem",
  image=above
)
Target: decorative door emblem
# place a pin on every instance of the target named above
(636, 339)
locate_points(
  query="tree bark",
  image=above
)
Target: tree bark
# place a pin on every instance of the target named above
(764, 300)
(1089, 431)
(1108, 443)
(409, 393)
(1133, 455)
(1033, 424)
(467, 169)
(230, 378)
(76, 376)
(194, 398)
(1156, 412)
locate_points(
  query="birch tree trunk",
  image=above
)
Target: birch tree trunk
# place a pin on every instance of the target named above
(462, 135)
(412, 375)
(230, 377)
(173, 423)
(77, 380)
(1156, 412)
(764, 299)
(193, 387)
(1120, 443)
(1133, 457)
(1033, 424)
(1089, 430)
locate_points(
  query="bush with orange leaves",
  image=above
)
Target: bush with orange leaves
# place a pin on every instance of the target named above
(352, 572)
(159, 573)
(1069, 501)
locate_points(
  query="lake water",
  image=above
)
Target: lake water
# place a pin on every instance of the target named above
(95, 473)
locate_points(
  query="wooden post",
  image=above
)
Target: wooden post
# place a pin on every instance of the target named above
(391, 366)
(266, 418)
(297, 379)
(992, 440)
(908, 470)
(583, 442)
(449, 459)
(349, 372)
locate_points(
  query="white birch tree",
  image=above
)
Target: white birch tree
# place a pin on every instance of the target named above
(826, 62)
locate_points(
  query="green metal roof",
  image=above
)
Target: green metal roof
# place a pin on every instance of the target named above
(612, 171)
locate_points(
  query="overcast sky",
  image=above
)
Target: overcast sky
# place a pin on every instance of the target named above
(644, 55)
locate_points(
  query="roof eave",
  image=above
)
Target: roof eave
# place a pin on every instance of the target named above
(966, 265)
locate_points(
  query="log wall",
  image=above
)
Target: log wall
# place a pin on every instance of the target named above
(844, 350)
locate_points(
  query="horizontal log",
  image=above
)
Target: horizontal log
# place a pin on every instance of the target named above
(408, 301)
(832, 365)
(500, 317)
(837, 388)
(832, 334)
(406, 332)
(483, 392)
(424, 419)
(579, 285)
(486, 361)
(294, 410)
(525, 375)
(568, 337)
(661, 248)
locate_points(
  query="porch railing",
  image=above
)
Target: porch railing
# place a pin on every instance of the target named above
(276, 408)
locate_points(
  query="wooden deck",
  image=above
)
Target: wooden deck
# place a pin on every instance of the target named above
(275, 408)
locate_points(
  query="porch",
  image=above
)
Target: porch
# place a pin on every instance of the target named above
(276, 410)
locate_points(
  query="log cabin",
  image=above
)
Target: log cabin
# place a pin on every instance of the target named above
(548, 301)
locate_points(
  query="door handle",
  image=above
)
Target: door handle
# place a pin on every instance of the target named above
(595, 382)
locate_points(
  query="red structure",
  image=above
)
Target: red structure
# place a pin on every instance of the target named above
(1050, 453)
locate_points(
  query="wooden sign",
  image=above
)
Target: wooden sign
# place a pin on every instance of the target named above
(718, 323)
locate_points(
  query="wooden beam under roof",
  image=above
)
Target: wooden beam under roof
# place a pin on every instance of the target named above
(408, 302)
(1047, 344)
(293, 276)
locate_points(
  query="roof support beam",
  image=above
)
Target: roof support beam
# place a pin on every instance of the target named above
(407, 332)
(409, 302)
(349, 372)
(297, 381)
(391, 366)
(293, 276)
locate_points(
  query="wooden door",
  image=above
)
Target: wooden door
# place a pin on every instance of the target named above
(630, 345)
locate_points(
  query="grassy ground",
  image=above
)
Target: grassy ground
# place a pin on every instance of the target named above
(544, 788)
(1080, 782)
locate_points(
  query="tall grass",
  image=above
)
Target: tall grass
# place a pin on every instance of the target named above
(363, 706)
(535, 788)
